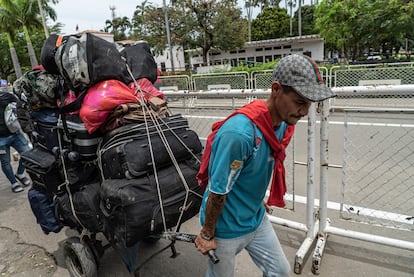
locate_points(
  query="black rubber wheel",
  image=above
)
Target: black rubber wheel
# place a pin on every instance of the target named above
(79, 258)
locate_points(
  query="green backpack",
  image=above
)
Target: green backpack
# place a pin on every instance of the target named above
(38, 89)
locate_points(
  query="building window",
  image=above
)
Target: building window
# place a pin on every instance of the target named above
(277, 47)
(268, 59)
(259, 49)
(259, 59)
(275, 57)
(242, 51)
(268, 49)
(233, 52)
(234, 62)
(287, 46)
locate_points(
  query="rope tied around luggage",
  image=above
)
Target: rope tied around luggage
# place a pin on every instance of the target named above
(155, 118)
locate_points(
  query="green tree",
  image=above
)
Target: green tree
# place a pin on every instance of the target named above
(119, 27)
(138, 26)
(251, 4)
(46, 11)
(6, 65)
(356, 26)
(333, 21)
(197, 24)
(8, 26)
(271, 23)
(25, 14)
(392, 22)
(7, 69)
(308, 21)
(155, 34)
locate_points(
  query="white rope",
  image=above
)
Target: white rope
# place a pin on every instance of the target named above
(155, 118)
(66, 183)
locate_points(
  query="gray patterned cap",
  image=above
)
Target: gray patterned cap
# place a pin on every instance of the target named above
(302, 74)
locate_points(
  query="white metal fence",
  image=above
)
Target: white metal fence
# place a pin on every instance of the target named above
(368, 132)
(369, 177)
(336, 76)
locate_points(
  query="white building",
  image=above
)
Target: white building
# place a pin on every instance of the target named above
(164, 60)
(263, 51)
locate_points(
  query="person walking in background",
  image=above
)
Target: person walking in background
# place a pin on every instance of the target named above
(243, 154)
(11, 138)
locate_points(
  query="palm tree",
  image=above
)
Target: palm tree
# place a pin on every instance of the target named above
(44, 7)
(7, 26)
(25, 13)
(118, 27)
(251, 4)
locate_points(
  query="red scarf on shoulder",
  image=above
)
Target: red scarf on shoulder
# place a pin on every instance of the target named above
(259, 114)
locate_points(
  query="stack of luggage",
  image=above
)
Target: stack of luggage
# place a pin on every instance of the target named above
(108, 156)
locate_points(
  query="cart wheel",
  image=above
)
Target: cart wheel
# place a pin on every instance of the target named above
(79, 258)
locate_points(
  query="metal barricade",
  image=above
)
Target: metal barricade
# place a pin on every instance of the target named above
(367, 179)
(236, 80)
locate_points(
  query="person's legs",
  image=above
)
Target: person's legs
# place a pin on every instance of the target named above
(5, 158)
(5, 163)
(226, 251)
(267, 253)
(21, 145)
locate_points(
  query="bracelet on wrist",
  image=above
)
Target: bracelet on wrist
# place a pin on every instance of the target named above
(205, 237)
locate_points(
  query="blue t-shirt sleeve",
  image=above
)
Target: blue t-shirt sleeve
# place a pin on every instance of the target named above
(231, 148)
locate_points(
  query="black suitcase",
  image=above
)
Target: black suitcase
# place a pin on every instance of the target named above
(77, 137)
(133, 131)
(129, 156)
(132, 209)
(43, 169)
(46, 135)
(86, 201)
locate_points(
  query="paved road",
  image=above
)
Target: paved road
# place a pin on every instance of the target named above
(26, 251)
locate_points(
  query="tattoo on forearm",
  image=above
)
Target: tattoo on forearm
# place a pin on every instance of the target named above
(215, 204)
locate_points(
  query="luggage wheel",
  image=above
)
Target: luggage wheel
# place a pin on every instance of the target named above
(79, 258)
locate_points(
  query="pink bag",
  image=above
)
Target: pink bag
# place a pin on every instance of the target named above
(147, 89)
(101, 99)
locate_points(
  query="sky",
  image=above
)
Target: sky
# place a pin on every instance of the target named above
(92, 14)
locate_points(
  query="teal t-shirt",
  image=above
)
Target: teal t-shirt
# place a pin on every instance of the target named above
(241, 167)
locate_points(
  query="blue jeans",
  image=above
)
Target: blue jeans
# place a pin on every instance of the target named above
(263, 247)
(18, 142)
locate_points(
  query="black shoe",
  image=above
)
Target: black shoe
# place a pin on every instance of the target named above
(24, 180)
(16, 187)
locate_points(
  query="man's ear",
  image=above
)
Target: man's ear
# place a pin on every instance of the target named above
(276, 89)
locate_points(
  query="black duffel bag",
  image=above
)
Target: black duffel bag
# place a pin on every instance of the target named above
(84, 60)
(132, 209)
(140, 59)
(128, 154)
(43, 169)
(85, 205)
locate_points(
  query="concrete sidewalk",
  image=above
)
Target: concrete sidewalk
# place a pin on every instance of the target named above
(26, 251)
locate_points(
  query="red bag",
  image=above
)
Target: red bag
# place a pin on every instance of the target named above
(101, 99)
